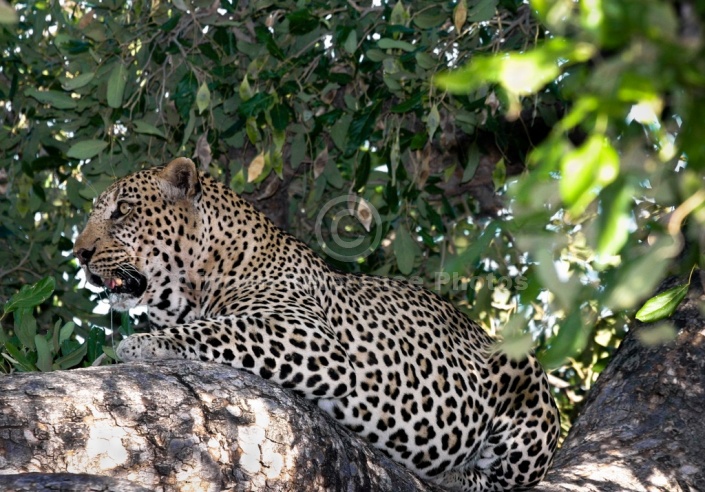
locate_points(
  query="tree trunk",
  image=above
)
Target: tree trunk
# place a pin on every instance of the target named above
(642, 427)
(187, 426)
(179, 425)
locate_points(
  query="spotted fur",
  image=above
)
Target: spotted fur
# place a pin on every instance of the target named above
(393, 362)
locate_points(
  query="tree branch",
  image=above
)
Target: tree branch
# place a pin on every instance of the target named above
(641, 428)
(181, 425)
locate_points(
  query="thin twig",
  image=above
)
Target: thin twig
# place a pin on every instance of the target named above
(20, 265)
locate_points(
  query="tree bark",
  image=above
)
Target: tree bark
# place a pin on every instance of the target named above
(183, 426)
(642, 427)
(191, 426)
(51, 482)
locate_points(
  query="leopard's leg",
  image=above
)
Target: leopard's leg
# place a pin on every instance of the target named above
(469, 480)
(522, 438)
(297, 353)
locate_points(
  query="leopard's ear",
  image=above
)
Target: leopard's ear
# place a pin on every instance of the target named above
(181, 177)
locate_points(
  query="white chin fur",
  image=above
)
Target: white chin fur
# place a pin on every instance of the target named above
(123, 302)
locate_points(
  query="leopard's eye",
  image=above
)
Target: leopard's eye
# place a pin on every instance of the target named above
(123, 208)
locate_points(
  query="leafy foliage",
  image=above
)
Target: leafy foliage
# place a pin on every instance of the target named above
(32, 349)
(531, 184)
(617, 161)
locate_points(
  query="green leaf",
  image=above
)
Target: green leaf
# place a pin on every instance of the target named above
(430, 18)
(95, 342)
(116, 85)
(638, 278)
(26, 327)
(339, 132)
(87, 149)
(399, 14)
(391, 82)
(516, 342)
(405, 250)
(190, 125)
(66, 331)
(362, 173)
(77, 82)
(72, 358)
(265, 37)
(376, 55)
(245, 90)
(350, 44)
(298, 150)
(425, 60)
(22, 363)
(387, 43)
(280, 116)
(520, 73)
(516, 347)
(171, 23)
(499, 174)
(480, 71)
(662, 305)
(185, 95)
(256, 104)
(45, 357)
(276, 159)
(690, 137)
(181, 5)
(566, 292)
(252, 131)
(142, 126)
(571, 339)
(471, 255)
(203, 98)
(432, 121)
(484, 10)
(391, 196)
(57, 99)
(526, 73)
(302, 22)
(472, 163)
(110, 352)
(126, 328)
(413, 102)
(332, 174)
(585, 170)
(31, 296)
(615, 219)
(55, 336)
(361, 126)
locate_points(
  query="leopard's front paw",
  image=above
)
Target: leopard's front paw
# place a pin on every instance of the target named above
(131, 348)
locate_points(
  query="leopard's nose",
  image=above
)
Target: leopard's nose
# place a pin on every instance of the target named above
(84, 255)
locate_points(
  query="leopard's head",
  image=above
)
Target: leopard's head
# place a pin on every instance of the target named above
(139, 232)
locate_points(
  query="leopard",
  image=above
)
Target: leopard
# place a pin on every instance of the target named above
(390, 360)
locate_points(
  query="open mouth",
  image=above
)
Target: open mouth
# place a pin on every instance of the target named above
(127, 280)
